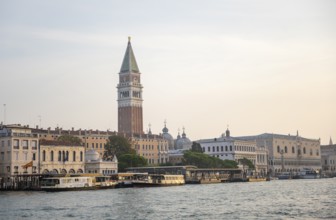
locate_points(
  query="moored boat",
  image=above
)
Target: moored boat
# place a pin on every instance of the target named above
(78, 182)
(307, 173)
(284, 176)
(257, 179)
(143, 180)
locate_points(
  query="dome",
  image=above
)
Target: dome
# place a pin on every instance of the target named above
(183, 142)
(165, 130)
(91, 155)
(168, 137)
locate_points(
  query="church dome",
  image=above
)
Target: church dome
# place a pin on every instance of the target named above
(168, 137)
(183, 142)
(91, 155)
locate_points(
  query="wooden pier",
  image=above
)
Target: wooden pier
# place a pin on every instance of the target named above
(192, 174)
(21, 182)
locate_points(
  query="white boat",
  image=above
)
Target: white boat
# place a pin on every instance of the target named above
(158, 180)
(307, 173)
(73, 183)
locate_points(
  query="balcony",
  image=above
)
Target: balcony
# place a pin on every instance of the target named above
(34, 148)
(16, 147)
(25, 148)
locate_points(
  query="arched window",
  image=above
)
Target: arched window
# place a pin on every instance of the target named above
(52, 155)
(213, 149)
(81, 156)
(285, 149)
(226, 148)
(230, 147)
(293, 150)
(304, 150)
(203, 149)
(278, 149)
(67, 156)
(43, 155)
(74, 156)
(59, 156)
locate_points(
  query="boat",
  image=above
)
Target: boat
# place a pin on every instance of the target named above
(77, 182)
(307, 173)
(284, 176)
(125, 180)
(143, 180)
(257, 179)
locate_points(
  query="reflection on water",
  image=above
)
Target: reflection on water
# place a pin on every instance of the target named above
(298, 199)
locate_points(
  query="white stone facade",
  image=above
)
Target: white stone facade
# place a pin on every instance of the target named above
(58, 158)
(18, 147)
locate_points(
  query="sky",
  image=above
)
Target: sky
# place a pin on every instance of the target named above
(253, 66)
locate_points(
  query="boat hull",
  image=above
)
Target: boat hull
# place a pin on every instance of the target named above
(60, 189)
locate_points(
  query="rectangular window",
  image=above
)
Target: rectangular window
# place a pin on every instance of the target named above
(16, 144)
(9, 143)
(16, 155)
(96, 145)
(25, 144)
(34, 145)
(208, 149)
(2, 143)
(92, 145)
(34, 156)
(25, 156)
(101, 145)
(2, 156)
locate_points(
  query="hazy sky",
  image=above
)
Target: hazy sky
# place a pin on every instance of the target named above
(257, 66)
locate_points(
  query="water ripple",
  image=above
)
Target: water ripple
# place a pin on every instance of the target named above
(297, 199)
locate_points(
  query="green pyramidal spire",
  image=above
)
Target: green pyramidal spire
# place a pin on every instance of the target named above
(129, 63)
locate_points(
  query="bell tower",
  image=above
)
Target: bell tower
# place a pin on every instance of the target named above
(130, 95)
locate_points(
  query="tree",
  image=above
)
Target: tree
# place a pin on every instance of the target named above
(117, 145)
(196, 147)
(246, 162)
(69, 139)
(130, 160)
(205, 161)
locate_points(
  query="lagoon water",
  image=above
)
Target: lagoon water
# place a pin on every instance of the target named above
(279, 199)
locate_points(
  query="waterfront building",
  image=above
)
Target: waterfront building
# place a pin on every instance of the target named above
(328, 159)
(226, 147)
(91, 139)
(61, 158)
(152, 147)
(95, 164)
(176, 156)
(18, 150)
(288, 153)
(130, 95)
